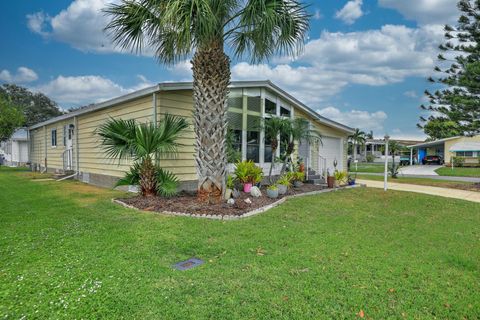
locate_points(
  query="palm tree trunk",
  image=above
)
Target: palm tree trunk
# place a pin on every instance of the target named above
(211, 77)
(148, 180)
(274, 150)
(354, 151)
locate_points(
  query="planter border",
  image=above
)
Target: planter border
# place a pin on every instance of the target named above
(242, 216)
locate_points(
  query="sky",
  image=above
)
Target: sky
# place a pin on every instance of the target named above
(365, 63)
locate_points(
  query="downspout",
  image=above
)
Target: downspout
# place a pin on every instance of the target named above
(45, 149)
(155, 122)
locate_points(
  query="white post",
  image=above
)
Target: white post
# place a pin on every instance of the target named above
(385, 178)
(411, 156)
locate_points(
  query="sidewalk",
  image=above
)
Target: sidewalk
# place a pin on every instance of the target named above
(435, 191)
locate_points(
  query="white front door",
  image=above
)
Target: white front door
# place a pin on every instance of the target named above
(69, 147)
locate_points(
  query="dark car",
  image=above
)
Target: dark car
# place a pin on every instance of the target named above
(432, 160)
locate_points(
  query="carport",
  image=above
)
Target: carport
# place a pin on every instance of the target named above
(432, 148)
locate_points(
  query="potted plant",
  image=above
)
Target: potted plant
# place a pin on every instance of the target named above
(248, 174)
(272, 191)
(283, 184)
(230, 183)
(330, 180)
(301, 165)
(297, 178)
(340, 178)
(351, 179)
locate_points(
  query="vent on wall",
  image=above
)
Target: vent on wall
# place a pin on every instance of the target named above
(86, 177)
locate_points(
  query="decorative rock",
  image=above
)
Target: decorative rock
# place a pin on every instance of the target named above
(248, 201)
(231, 201)
(255, 192)
(228, 193)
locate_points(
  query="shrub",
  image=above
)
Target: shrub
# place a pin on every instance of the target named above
(272, 187)
(393, 169)
(285, 180)
(370, 158)
(458, 161)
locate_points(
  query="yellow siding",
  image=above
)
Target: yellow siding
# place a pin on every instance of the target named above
(180, 103)
(450, 143)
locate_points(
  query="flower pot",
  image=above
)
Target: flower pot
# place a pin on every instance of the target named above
(297, 184)
(228, 193)
(272, 193)
(247, 187)
(301, 168)
(282, 189)
(351, 182)
(330, 182)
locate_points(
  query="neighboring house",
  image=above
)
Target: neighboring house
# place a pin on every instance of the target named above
(15, 149)
(69, 142)
(375, 147)
(465, 147)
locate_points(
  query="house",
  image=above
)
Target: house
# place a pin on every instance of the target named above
(68, 143)
(375, 147)
(465, 147)
(15, 149)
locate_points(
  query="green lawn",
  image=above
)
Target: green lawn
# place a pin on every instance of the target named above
(425, 182)
(368, 167)
(459, 172)
(67, 252)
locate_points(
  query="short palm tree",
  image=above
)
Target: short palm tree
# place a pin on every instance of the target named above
(273, 127)
(358, 138)
(143, 143)
(176, 29)
(298, 130)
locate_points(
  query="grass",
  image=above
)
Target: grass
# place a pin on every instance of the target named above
(368, 167)
(459, 172)
(67, 252)
(424, 182)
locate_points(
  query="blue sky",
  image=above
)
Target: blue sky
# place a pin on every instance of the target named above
(365, 63)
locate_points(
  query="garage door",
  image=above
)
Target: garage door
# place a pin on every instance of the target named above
(331, 149)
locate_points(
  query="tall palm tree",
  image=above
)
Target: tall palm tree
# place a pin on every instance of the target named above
(175, 29)
(126, 140)
(357, 138)
(273, 127)
(297, 130)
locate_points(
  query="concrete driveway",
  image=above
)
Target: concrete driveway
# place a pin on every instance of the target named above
(419, 170)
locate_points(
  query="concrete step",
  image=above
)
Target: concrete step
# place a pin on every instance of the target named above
(317, 181)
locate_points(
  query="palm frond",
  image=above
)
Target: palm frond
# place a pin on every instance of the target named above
(167, 183)
(117, 137)
(131, 178)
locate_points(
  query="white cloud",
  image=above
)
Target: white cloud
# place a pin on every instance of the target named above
(22, 75)
(411, 94)
(80, 25)
(82, 90)
(335, 60)
(317, 15)
(356, 118)
(425, 11)
(350, 12)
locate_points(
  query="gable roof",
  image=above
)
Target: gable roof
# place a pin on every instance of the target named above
(171, 86)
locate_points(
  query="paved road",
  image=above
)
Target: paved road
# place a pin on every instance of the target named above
(437, 177)
(435, 191)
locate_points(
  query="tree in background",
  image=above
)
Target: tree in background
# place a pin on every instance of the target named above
(357, 138)
(176, 29)
(440, 129)
(36, 107)
(458, 101)
(369, 135)
(11, 118)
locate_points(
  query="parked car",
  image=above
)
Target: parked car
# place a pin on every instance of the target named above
(432, 160)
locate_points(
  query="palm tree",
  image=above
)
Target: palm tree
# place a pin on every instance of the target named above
(273, 127)
(357, 138)
(126, 140)
(176, 29)
(297, 130)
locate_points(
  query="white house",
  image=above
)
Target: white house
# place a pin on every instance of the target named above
(15, 149)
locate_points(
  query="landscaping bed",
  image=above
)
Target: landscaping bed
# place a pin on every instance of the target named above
(187, 203)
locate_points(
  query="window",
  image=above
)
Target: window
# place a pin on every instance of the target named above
(253, 138)
(54, 137)
(270, 107)
(464, 153)
(284, 112)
